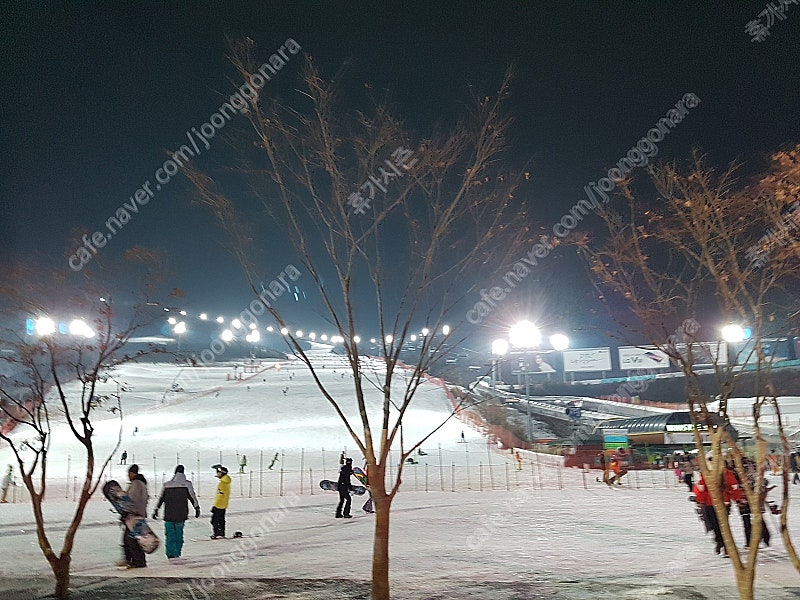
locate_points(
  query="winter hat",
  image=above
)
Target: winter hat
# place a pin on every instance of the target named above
(179, 469)
(349, 461)
(133, 469)
(222, 469)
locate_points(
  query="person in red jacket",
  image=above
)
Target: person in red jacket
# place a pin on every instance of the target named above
(703, 497)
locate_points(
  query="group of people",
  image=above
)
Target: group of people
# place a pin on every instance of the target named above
(734, 492)
(176, 496)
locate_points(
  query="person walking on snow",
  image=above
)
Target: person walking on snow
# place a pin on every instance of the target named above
(8, 481)
(176, 495)
(220, 502)
(137, 493)
(368, 506)
(345, 472)
(242, 464)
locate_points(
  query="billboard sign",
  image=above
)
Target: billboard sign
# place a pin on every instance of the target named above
(614, 439)
(588, 359)
(632, 357)
(705, 354)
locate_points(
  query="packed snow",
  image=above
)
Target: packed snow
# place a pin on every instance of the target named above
(468, 523)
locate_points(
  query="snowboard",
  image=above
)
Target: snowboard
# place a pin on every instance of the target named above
(137, 526)
(360, 475)
(332, 486)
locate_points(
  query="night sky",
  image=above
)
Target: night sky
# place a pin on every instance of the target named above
(94, 95)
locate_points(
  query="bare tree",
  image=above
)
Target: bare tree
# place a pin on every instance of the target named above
(698, 253)
(53, 378)
(398, 263)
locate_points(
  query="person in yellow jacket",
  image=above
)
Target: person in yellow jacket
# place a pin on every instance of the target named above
(220, 502)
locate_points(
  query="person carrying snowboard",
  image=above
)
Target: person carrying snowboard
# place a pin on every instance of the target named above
(343, 482)
(220, 502)
(176, 495)
(137, 493)
(368, 506)
(616, 468)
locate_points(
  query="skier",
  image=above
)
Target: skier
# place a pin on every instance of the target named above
(274, 460)
(175, 496)
(242, 464)
(137, 492)
(8, 481)
(220, 502)
(123, 460)
(344, 490)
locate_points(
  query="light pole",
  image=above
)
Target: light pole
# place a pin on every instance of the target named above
(525, 335)
(179, 329)
(560, 342)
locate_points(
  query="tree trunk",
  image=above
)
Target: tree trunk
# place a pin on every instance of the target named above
(744, 582)
(380, 550)
(60, 568)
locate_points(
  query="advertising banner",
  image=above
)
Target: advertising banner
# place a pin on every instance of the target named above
(633, 357)
(588, 359)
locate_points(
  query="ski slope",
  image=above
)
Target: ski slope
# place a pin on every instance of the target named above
(223, 413)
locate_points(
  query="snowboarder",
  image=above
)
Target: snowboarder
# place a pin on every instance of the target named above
(345, 472)
(220, 502)
(175, 496)
(463, 439)
(274, 460)
(123, 460)
(368, 506)
(8, 481)
(616, 468)
(242, 464)
(137, 492)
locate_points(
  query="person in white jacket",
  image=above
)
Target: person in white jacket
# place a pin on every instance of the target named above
(137, 493)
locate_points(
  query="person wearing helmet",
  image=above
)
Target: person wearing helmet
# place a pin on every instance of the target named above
(220, 502)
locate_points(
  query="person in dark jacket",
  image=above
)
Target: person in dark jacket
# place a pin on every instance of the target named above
(343, 482)
(137, 492)
(176, 495)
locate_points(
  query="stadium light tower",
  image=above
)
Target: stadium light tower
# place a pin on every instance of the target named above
(45, 326)
(525, 335)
